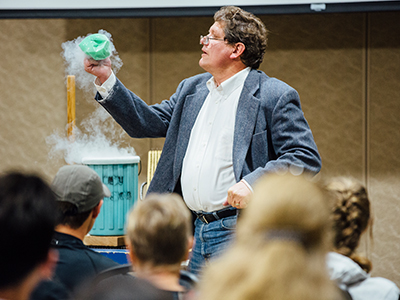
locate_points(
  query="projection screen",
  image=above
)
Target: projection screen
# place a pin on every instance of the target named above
(148, 8)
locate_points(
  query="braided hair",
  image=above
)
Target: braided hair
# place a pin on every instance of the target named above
(351, 216)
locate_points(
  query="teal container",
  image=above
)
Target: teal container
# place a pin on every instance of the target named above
(120, 175)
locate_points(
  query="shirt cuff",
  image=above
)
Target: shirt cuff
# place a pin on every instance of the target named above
(106, 87)
(247, 184)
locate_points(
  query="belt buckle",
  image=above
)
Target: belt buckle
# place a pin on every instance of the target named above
(203, 218)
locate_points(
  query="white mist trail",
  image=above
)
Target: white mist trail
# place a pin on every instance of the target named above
(100, 135)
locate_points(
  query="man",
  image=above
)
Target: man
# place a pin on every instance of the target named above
(27, 221)
(80, 194)
(159, 237)
(224, 129)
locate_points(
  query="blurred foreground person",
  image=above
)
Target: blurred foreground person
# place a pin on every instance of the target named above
(27, 221)
(279, 253)
(351, 218)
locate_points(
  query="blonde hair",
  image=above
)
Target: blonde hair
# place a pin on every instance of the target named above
(280, 248)
(158, 229)
(350, 215)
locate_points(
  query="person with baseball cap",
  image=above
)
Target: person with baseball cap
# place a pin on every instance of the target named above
(79, 192)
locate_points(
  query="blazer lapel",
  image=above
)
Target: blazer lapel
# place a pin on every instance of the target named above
(190, 111)
(246, 118)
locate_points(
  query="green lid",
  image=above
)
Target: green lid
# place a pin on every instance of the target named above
(96, 46)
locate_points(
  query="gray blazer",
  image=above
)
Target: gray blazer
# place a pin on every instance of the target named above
(270, 130)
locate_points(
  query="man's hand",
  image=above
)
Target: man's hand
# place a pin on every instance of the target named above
(99, 68)
(238, 195)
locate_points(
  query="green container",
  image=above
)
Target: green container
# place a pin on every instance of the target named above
(120, 175)
(96, 46)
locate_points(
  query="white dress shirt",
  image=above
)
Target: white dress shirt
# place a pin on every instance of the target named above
(207, 171)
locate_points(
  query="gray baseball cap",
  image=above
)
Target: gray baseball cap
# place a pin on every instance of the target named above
(79, 185)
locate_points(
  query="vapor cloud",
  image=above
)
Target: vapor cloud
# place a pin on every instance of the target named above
(98, 136)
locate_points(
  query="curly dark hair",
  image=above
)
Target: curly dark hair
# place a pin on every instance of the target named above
(244, 27)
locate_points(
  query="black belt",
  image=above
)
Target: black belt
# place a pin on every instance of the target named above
(217, 215)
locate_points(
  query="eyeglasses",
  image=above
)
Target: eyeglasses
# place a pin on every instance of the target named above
(205, 40)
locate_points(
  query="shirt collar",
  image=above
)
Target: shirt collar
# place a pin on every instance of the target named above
(229, 85)
(62, 239)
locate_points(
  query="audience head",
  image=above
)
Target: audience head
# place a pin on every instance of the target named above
(243, 27)
(159, 231)
(79, 190)
(279, 253)
(351, 216)
(27, 220)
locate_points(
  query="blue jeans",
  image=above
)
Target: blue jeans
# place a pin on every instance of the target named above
(210, 240)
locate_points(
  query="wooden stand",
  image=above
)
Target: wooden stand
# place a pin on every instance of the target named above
(104, 241)
(71, 107)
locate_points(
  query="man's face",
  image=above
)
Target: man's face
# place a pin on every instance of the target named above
(216, 54)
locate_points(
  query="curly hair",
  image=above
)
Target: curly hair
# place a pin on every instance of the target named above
(351, 216)
(244, 27)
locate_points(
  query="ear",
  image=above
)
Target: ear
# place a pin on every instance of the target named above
(189, 247)
(129, 248)
(96, 209)
(131, 254)
(49, 265)
(238, 50)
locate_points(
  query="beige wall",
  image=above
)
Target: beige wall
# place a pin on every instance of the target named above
(346, 68)
(383, 141)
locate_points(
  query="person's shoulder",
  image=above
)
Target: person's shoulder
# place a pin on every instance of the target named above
(193, 84)
(344, 270)
(198, 78)
(201, 76)
(375, 288)
(123, 286)
(67, 244)
(269, 90)
(382, 283)
(100, 261)
(269, 82)
(49, 290)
